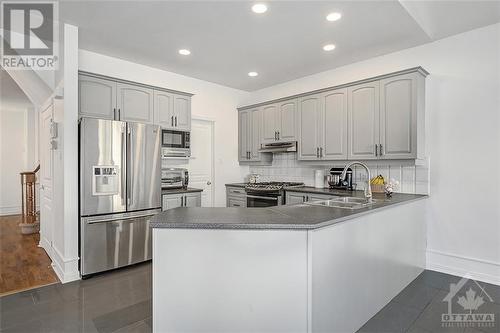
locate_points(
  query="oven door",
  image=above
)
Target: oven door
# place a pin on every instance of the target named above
(263, 200)
(174, 139)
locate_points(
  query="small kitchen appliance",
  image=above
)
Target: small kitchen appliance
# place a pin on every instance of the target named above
(175, 143)
(335, 180)
(267, 194)
(174, 178)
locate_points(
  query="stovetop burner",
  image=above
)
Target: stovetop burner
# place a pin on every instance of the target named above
(271, 186)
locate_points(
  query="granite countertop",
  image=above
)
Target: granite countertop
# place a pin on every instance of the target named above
(293, 217)
(180, 190)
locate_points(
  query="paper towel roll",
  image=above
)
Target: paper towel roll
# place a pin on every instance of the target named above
(319, 178)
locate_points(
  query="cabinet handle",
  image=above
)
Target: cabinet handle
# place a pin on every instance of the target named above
(182, 201)
(376, 150)
(303, 198)
(172, 121)
(278, 135)
(317, 152)
(236, 205)
(275, 136)
(119, 114)
(320, 151)
(381, 152)
(114, 114)
(175, 121)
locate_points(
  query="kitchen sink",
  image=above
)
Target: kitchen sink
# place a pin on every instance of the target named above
(345, 202)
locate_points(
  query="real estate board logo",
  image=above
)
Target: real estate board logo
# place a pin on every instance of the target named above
(464, 302)
(29, 35)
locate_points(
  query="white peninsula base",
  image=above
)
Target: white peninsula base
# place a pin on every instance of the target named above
(331, 279)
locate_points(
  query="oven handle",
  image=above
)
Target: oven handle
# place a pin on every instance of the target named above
(259, 197)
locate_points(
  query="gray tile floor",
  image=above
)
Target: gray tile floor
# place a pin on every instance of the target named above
(120, 302)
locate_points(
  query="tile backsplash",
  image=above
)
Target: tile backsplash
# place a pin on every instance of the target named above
(413, 177)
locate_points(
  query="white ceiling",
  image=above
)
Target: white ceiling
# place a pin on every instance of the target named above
(228, 40)
(11, 96)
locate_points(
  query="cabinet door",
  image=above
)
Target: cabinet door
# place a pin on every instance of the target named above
(334, 125)
(309, 127)
(244, 119)
(234, 202)
(363, 117)
(293, 198)
(170, 201)
(255, 134)
(398, 117)
(192, 199)
(135, 103)
(270, 116)
(96, 97)
(182, 112)
(163, 109)
(288, 120)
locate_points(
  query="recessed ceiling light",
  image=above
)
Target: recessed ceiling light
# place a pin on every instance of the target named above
(329, 47)
(184, 52)
(259, 8)
(253, 74)
(333, 16)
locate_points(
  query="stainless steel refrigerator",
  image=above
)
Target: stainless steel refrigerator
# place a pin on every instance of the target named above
(120, 190)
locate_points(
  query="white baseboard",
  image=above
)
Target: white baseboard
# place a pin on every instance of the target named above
(472, 268)
(10, 210)
(66, 269)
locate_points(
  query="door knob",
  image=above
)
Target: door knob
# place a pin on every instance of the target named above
(209, 182)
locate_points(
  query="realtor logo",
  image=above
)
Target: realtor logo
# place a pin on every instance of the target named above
(29, 35)
(464, 302)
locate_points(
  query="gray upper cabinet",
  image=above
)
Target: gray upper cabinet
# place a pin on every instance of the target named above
(244, 129)
(398, 117)
(249, 131)
(163, 109)
(115, 99)
(96, 97)
(279, 121)
(376, 118)
(309, 111)
(334, 125)
(287, 120)
(134, 103)
(363, 115)
(270, 123)
(182, 112)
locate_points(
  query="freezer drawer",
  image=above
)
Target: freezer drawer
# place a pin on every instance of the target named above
(115, 240)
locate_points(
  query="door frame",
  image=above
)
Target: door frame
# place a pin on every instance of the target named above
(212, 123)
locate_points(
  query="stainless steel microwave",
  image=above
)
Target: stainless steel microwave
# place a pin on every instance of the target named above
(175, 143)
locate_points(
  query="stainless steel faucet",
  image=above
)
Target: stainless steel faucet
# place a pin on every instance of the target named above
(368, 189)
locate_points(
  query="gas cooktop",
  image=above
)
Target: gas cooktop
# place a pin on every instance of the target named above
(271, 186)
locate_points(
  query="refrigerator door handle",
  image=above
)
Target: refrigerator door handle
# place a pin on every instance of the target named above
(128, 152)
(123, 168)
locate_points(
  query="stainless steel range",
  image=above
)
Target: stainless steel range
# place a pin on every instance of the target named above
(267, 194)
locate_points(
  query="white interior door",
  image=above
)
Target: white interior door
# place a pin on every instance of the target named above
(201, 166)
(46, 180)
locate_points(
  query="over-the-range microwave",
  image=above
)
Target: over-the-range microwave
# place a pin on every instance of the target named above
(175, 143)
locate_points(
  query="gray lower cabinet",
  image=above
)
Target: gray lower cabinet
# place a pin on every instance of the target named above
(235, 197)
(292, 198)
(134, 103)
(175, 200)
(96, 97)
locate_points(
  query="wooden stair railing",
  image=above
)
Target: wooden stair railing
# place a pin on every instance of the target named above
(29, 223)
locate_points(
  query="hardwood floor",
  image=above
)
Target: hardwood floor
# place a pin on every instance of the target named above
(23, 265)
